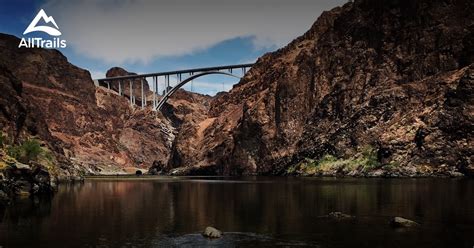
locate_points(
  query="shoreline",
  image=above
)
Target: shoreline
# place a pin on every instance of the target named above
(133, 176)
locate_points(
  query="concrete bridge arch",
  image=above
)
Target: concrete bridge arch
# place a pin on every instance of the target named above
(169, 91)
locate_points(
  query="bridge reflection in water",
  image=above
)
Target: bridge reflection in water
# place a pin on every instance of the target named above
(159, 100)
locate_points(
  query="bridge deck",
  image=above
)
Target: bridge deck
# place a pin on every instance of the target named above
(157, 74)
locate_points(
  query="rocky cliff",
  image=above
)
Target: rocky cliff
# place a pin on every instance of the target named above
(373, 88)
(90, 130)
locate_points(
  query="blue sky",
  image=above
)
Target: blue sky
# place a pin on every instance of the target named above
(150, 36)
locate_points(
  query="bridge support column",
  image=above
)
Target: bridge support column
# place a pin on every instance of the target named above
(155, 91)
(192, 84)
(143, 101)
(167, 83)
(131, 93)
(178, 79)
(108, 85)
(120, 88)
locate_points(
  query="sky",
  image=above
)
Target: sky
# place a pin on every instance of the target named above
(145, 36)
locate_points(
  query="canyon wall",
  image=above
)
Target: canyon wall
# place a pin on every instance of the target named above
(374, 88)
(91, 130)
(394, 78)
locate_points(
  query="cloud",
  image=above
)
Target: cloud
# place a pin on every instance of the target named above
(131, 31)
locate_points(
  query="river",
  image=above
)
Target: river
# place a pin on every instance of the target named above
(253, 211)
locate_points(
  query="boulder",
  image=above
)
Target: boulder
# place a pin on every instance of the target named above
(24, 180)
(156, 168)
(340, 215)
(212, 233)
(402, 222)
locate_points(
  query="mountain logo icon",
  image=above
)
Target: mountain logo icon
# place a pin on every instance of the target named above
(47, 29)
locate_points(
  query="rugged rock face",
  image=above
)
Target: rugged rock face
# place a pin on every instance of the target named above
(23, 179)
(374, 88)
(64, 97)
(125, 85)
(89, 129)
(20, 117)
(148, 136)
(394, 76)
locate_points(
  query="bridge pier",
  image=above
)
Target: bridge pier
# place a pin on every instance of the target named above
(154, 92)
(131, 93)
(178, 79)
(145, 96)
(192, 84)
(167, 83)
(141, 82)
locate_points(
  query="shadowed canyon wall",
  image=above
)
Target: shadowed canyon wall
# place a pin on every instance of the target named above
(395, 76)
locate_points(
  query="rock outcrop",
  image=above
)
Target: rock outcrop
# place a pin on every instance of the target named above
(402, 222)
(212, 233)
(125, 85)
(148, 136)
(21, 100)
(380, 86)
(340, 216)
(19, 179)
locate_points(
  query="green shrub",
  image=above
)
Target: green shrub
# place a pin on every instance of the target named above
(291, 170)
(327, 159)
(392, 165)
(369, 157)
(48, 155)
(29, 150)
(32, 149)
(14, 151)
(365, 159)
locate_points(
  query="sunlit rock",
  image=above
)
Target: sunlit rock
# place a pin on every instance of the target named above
(211, 232)
(402, 222)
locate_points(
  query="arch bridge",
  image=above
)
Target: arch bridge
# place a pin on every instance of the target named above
(159, 100)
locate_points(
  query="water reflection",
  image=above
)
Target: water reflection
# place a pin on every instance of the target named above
(251, 211)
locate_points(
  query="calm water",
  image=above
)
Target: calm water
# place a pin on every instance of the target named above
(264, 212)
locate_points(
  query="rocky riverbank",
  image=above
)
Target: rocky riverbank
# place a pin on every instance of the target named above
(18, 179)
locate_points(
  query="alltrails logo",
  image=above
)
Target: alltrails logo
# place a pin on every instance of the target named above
(40, 42)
